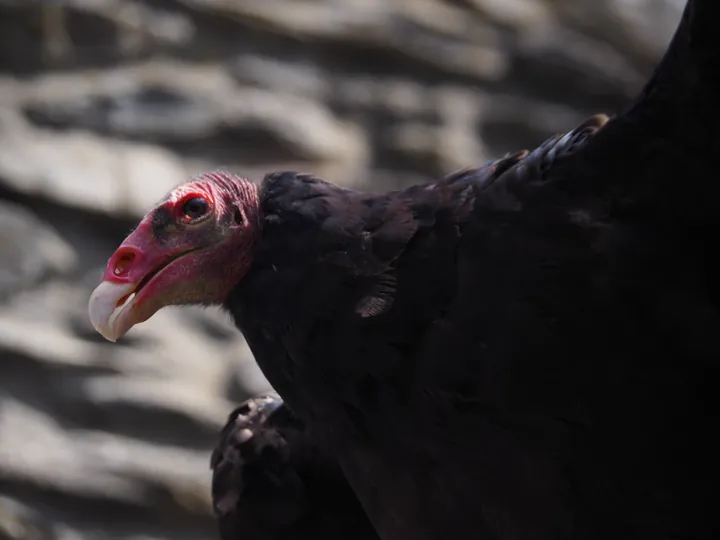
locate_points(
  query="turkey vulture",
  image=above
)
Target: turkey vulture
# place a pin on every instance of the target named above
(524, 350)
(271, 482)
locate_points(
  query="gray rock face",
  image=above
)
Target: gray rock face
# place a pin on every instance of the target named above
(105, 105)
(30, 250)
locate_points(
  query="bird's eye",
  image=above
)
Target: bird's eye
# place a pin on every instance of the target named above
(195, 208)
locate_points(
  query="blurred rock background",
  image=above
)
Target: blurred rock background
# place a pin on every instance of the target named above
(107, 104)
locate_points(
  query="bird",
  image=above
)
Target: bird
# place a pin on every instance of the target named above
(272, 482)
(520, 350)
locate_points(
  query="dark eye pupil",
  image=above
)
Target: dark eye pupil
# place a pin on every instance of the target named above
(194, 208)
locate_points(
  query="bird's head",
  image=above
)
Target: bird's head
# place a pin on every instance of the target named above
(192, 248)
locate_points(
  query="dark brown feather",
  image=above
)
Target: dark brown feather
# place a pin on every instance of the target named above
(270, 481)
(525, 350)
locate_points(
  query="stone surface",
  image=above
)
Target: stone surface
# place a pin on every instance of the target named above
(107, 104)
(84, 170)
(30, 250)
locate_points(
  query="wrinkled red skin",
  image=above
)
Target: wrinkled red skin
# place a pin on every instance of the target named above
(199, 261)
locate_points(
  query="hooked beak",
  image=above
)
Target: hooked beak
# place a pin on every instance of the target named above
(138, 281)
(113, 305)
(110, 309)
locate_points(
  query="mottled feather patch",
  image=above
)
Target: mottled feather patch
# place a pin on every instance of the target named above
(241, 442)
(539, 162)
(379, 297)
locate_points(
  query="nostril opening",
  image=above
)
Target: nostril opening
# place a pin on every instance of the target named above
(123, 262)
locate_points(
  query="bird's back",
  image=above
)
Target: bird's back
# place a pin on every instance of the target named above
(560, 389)
(493, 347)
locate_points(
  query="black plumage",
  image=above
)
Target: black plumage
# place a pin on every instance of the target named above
(520, 351)
(524, 350)
(271, 482)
